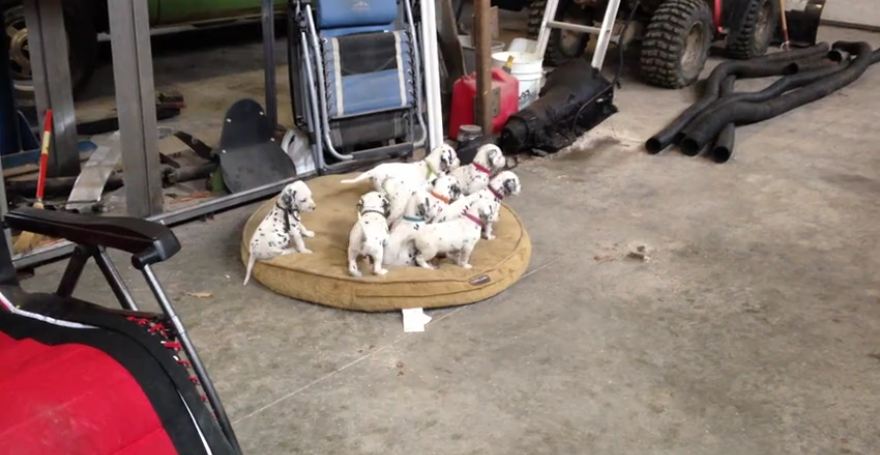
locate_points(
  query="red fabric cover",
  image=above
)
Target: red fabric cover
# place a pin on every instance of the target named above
(73, 399)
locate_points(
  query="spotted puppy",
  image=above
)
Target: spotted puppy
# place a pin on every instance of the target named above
(505, 184)
(473, 177)
(456, 238)
(369, 235)
(440, 161)
(281, 225)
(442, 190)
(420, 209)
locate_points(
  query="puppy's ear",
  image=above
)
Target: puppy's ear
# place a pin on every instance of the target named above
(511, 186)
(386, 206)
(286, 200)
(454, 192)
(448, 158)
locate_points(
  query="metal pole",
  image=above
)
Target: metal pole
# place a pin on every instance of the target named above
(7, 85)
(73, 271)
(193, 356)
(432, 73)
(50, 69)
(10, 141)
(114, 279)
(483, 42)
(605, 34)
(545, 29)
(268, 10)
(136, 105)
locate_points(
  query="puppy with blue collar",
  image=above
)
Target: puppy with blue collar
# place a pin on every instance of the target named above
(369, 235)
(421, 208)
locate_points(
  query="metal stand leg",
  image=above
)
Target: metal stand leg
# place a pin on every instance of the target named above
(73, 271)
(269, 61)
(136, 104)
(605, 34)
(114, 279)
(47, 42)
(432, 73)
(193, 356)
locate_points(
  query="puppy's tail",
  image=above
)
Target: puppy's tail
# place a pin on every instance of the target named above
(250, 267)
(363, 228)
(358, 179)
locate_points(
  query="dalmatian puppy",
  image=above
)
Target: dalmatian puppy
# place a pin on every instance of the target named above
(456, 238)
(443, 189)
(420, 209)
(488, 161)
(281, 225)
(506, 183)
(446, 189)
(440, 161)
(369, 235)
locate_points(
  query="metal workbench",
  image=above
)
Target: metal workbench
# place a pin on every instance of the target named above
(135, 104)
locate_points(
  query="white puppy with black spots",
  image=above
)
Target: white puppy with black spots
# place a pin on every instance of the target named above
(475, 176)
(420, 209)
(440, 161)
(444, 190)
(369, 235)
(281, 225)
(457, 238)
(505, 184)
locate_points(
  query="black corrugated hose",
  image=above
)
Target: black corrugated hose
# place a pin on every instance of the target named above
(711, 120)
(700, 133)
(769, 65)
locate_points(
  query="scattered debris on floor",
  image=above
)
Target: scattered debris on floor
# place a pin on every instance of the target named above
(200, 295)
(639, 251)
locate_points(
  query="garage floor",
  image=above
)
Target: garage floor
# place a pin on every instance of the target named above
(754, 327)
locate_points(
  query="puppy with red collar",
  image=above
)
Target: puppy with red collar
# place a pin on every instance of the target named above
(457, 238)
(473, 177)
(505, 184)
(441, 160)
(442, 190)
(369, 235)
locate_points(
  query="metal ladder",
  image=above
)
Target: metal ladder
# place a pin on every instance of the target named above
(604, 31)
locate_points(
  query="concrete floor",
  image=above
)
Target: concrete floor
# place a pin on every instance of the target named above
(754, 328)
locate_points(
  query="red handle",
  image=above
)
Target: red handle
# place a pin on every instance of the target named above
(44, 154)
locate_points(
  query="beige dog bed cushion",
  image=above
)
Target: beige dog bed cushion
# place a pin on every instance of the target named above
(322, 277)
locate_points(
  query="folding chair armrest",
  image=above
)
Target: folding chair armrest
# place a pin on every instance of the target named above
(148, 242)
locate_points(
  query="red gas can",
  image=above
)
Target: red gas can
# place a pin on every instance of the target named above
(505, 100)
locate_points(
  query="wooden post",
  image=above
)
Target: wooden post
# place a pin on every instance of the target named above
(483, 44)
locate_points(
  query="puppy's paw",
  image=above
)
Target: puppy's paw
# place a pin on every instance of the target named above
(306, 251)
(307, 233)
(467, 266)
(354, 272)
(488, 236)
(381, 271)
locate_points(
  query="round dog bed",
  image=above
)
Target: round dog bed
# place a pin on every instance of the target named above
(322, 277)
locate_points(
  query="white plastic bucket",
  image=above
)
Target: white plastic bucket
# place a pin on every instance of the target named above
(527, 69)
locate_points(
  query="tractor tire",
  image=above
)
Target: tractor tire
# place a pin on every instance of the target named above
(562, 45)
(647, 6)
(82, 46)
(676, 43)
(753, 37)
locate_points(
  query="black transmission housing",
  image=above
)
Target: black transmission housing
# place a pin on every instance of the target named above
(575, 98)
